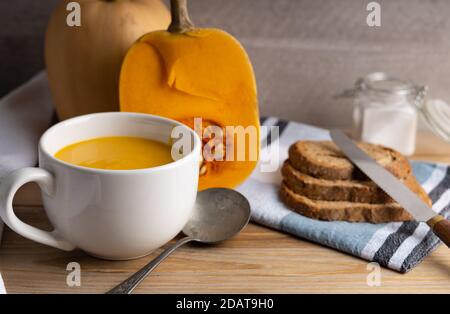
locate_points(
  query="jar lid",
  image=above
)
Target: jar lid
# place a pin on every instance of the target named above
(382, 83)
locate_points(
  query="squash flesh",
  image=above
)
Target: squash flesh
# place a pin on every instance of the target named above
(201, 73)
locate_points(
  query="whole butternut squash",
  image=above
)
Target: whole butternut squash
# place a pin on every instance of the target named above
(83, 62)
(186, 73)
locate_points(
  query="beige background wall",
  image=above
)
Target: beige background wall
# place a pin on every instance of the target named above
(303, 51)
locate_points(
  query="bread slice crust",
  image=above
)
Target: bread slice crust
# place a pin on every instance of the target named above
(332, 190)
(343, 190)
(323, 159)
(346, 211)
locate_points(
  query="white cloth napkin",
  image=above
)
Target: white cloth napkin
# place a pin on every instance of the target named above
(25, 114)
(2, 286)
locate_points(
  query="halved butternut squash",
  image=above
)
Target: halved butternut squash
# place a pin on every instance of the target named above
(186, 73)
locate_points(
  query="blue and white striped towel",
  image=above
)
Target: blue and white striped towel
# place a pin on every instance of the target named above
(399, 246)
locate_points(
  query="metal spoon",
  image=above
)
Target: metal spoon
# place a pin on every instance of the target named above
(218, 215)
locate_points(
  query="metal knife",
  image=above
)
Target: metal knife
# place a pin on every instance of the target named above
(392, 186)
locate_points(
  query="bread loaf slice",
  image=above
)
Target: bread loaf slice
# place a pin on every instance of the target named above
(343, 190)
(342, 210)
(332, 190)
(323, 159)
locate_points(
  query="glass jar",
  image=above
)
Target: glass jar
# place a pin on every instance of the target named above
(386, 111)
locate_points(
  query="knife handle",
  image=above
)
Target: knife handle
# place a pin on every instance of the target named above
(440, 227)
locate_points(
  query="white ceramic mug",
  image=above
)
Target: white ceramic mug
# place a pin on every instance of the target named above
(112, 214)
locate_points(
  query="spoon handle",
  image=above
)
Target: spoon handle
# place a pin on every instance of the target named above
(128, 285)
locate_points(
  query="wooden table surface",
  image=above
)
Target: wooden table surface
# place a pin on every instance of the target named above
(259, 260)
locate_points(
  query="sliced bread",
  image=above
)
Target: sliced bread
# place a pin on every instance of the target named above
(321, 183)
(348, 211)
(342, 190)
(323, 159)
(332, 190)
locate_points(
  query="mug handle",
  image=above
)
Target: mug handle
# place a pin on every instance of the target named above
(8, 188)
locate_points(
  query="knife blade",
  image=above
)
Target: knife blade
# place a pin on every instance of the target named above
(392, 186)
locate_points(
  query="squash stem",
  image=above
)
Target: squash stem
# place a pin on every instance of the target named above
(180, 17)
